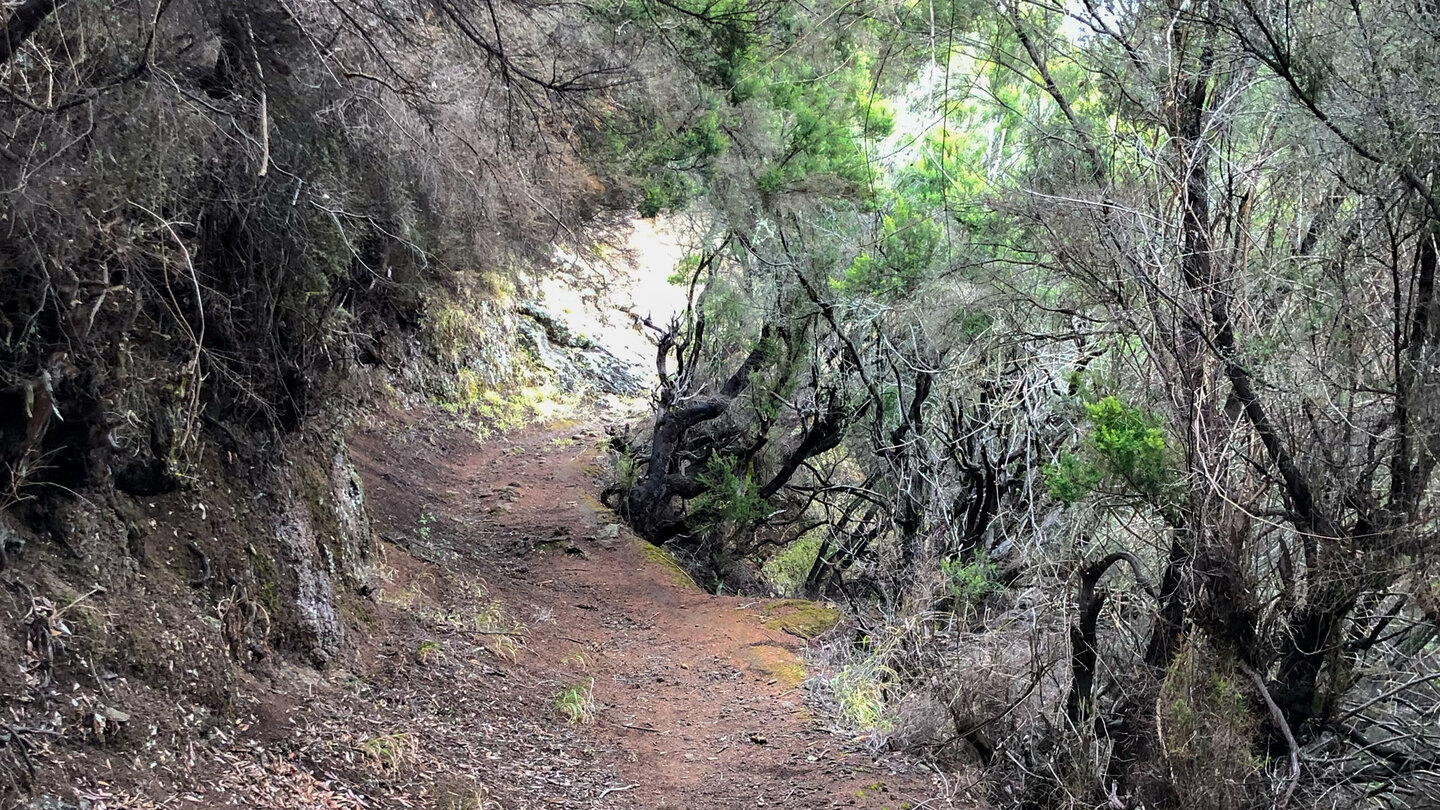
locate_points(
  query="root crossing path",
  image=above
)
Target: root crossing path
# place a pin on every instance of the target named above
(525, 651)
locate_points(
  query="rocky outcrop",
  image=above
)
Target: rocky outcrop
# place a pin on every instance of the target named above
(311, 596)
(576, 361)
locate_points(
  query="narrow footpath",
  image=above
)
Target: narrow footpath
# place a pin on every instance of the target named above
(527, 652)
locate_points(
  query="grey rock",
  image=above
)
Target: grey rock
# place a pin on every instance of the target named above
(313, 594)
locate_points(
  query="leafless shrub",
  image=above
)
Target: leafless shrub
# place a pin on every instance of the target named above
(213, 208)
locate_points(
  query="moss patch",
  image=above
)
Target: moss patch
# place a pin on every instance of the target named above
(589, 461)
(770, 660)
(263, 569)
(788, 567)
(802, 617)
(872, 789)
(667, 561)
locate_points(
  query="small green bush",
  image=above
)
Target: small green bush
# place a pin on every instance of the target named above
(969, 582)
(577, 702)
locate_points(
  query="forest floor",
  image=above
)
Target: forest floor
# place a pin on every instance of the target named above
(515, 599)
(517, 649)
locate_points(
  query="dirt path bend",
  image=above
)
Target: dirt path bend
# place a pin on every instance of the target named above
(527, 591)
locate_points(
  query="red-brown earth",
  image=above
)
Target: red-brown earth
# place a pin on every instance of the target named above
(500, 586)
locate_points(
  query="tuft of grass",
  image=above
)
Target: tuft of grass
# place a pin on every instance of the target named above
(503, 647)
(428, 652)
(577, 702)
(859, 690)
(388, 751)
(474, 610)
(502, 634)
(489, 615)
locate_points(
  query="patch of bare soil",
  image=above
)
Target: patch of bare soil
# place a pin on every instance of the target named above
(693, 702)
(518, 649)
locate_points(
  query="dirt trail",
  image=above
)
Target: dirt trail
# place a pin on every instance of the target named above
(699, 700)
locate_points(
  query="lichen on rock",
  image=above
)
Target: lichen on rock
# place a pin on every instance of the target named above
(319, 630)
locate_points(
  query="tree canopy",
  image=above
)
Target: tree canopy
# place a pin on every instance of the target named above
(1022, 292)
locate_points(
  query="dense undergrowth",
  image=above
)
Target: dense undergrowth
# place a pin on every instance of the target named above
(1087, 355)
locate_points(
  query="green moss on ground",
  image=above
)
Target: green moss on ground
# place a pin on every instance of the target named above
(769, 660)
(667, 561)
(801, 617)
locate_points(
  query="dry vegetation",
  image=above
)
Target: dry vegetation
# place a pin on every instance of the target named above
(223, 224)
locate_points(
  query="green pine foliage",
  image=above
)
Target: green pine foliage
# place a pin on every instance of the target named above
(1126, 447)
(730, 499)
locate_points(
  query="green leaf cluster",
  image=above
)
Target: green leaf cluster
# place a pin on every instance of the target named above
(969, 581)
(670, 162)
(906, 247)
(731, 496)
(821, 124)
(1126, 446)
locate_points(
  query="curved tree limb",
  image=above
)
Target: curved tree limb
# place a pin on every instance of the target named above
(1083, 651)
(1279, 718)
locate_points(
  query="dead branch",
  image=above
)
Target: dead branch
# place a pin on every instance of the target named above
(1278, 717)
